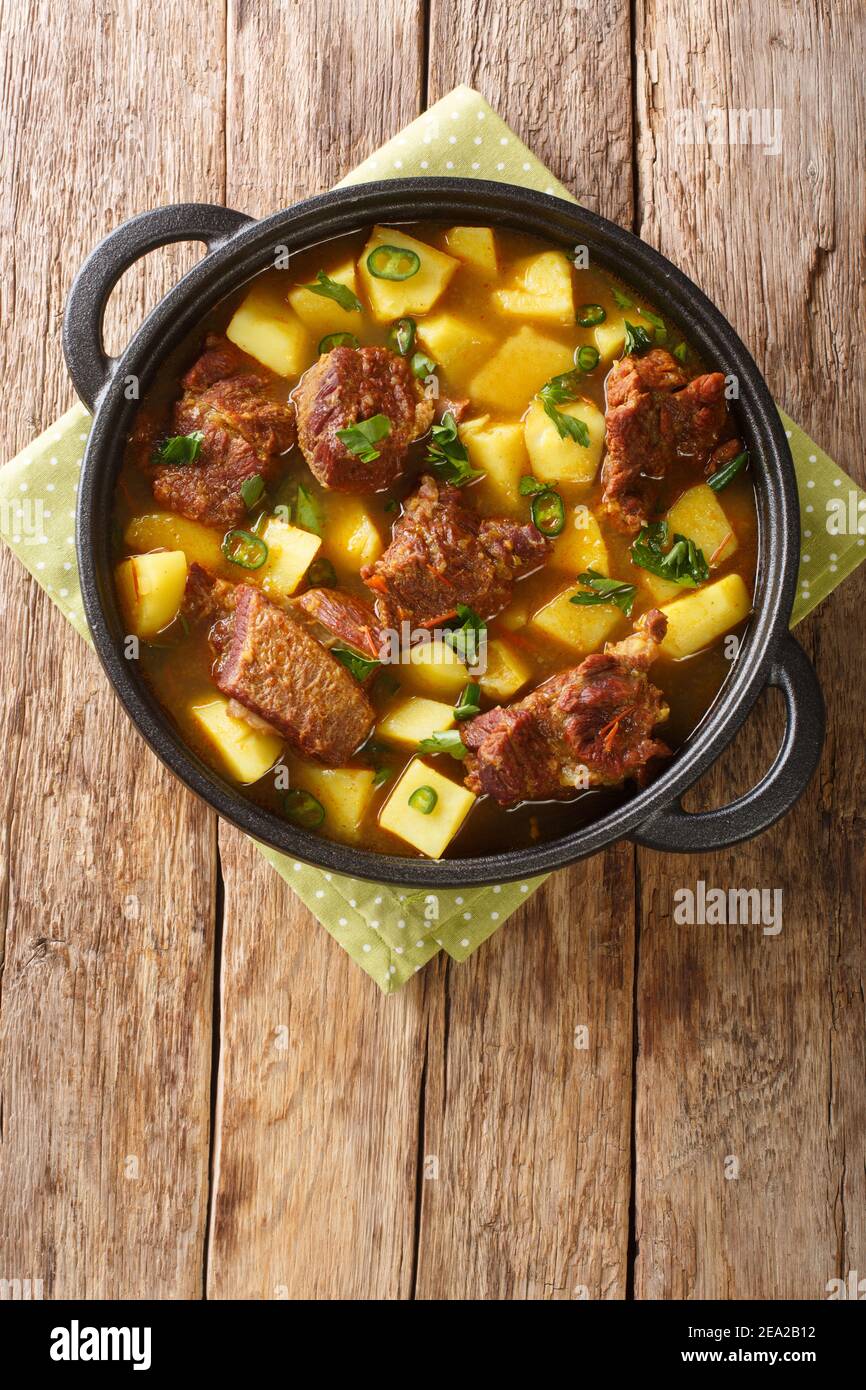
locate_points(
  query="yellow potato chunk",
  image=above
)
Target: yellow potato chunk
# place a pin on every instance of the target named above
(697, 620)
(430, 833)
(291, 551)
(246, 753)
(412, 718)
(583, 629)
(498, 449)
(507, 670)
(610, 338)
(516, 615)
(345, 793)
(168, 531)
(541, 289)
(436, 669)
(581, 545)
(555, 459)
(150, 589)
(700, 516)
(322, 315)
(475, 246)
(352, 537)
(520, 366)
(392, 299)
(266, 328)
(456, 344)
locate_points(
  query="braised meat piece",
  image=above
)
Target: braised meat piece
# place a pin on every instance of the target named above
(246, 427)
(344, 616)
(347, 386)
(654, 415)
(271, 664)
(598, 716)
(443, 553)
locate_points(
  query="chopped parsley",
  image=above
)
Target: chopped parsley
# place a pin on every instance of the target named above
(466, 640)
(637, 340)
(725, 475)
(332, 289)
(361, 437)
(360, 666)
(447, 742)
(469, 703)
(602, 590)
(180, 448)
(447, 454)
(556, 392)
(682, 564)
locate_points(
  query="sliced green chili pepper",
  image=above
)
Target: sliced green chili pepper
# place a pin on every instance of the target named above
(322, 575)
(244, 549)
(422, 365)
(393, 263)
(423, 799)
(548, 512)
(587, 358)
(304, 809)
(588, 315)
(333, 340)
(252, 490)
(401, 336)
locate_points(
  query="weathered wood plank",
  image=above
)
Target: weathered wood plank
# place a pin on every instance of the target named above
(751, 1046)
(107, 864)
(527, 1117)
(314, 1173)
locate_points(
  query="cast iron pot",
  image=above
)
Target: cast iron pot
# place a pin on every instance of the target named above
(237, 248)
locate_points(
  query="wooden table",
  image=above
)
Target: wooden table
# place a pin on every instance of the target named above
(199, 1092)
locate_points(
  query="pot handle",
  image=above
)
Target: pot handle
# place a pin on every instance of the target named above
(89, 365)
(679, 831)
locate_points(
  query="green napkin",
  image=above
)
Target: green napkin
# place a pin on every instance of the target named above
(390, 932)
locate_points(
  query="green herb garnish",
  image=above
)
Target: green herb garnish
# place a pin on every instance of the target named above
(683, 564)
(422, 365)
(180, 448)
(622, 300)
(469, 703)
(681, 352)
(252, 491)
(244, 549)
(603, 590)
(360, 666)
(661, 332)
(332, 289)
(423, 799)
(723, 476)
(637, 340)
(447, 454)
(381, 777)
(307, 511)
(304, 809)
(322, 575)
(447, 742)
(465, 640)
(554, 393)
(333, 340)
(360, 438)
(529, 486)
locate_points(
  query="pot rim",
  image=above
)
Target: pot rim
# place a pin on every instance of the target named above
(233, 261)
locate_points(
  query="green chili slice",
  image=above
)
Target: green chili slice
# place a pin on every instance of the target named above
(423, 799)
(587, 359)
(401, 336)
(304, 809)
(393, 263)
(332, 340)
(588, 315)
(252, 490)
(322, 575)
(548, 512)
(244, 549)
(422, 365)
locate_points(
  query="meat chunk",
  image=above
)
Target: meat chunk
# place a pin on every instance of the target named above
(443, 554)
(344, 616)
(350, 385)
(589, 726)
(654, 415)
(269, 662)
(246, 427)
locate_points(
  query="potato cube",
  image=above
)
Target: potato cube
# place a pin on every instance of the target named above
(322, 315)
(516, 615)
(150, 589)
(352, 537)
(520, 366)
(412, 718)
(699, 515)
(610, 338)
(541, 289)
(583, 628)
(247, 753)
(429, 832)
(456, 344)
(167, 531)
(697, 620)
(345, 794)
(500, 452)
(507, 670)
(437, 670)
(475, 246)
(266, 328)
(555, 459)
(291, 551)
(392, 299)
(581, 545)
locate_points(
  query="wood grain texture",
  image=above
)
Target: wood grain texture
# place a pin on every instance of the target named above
(108, 865)
(314, 1182)
(752, 1046)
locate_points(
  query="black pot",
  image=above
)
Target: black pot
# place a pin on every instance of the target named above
(238, 248)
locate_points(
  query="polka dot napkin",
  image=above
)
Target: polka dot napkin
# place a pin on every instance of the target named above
(389, 932)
